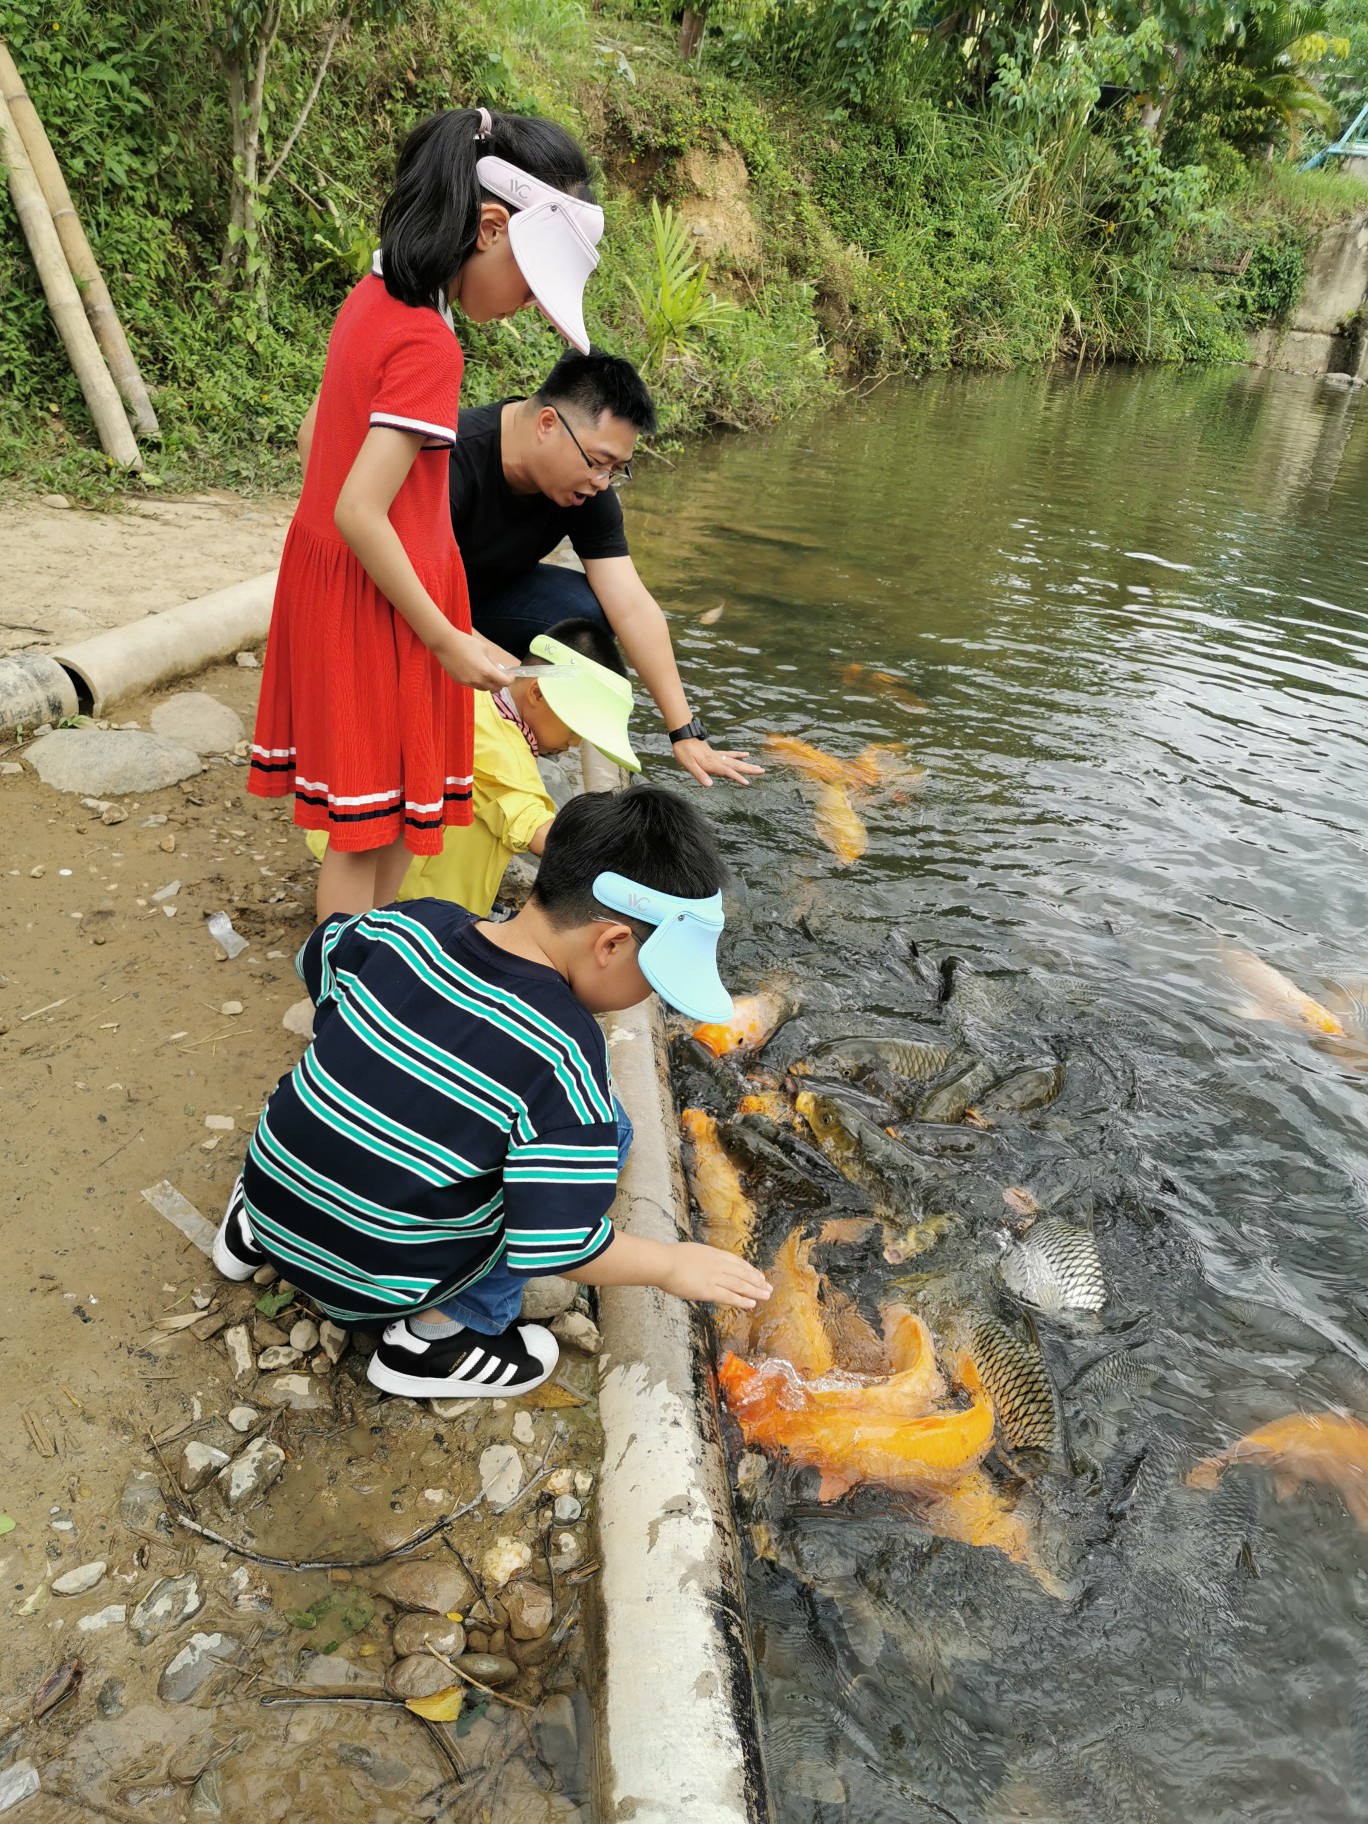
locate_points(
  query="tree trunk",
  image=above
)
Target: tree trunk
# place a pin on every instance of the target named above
(691, 29)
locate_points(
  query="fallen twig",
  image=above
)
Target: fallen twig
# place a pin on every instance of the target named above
(514, 1703)
(449, 1754)
(48, 1009)
(181, 1518)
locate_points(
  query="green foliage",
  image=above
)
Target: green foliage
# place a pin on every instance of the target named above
(676, 310)
(1271, 284)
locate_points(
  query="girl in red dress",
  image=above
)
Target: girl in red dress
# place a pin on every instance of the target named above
(365, 714)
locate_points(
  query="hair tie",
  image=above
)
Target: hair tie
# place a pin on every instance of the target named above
(486, 124)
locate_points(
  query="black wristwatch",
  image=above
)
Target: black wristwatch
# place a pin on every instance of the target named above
(693, 730)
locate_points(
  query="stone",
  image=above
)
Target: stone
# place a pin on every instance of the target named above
(83, 1578)
(18, 1782)
(206, 1798)
(451, 1409)
(239, 1351)
(263, 1276)
(218, 1124)
(280, 1355)
(524, 1431)
(246, 1479)
(199, 1462)
(57, 501)
(300, 1392)
(333, 1671)
(437, 1585)
(583, 1482)
(169, 891)
(249, 1592)
(567, 1554)
(11, 767)
(490, 1668)
(546, 1298)
(141, 1505)
(299, 1018)
(556, 1734)
(268, 1335)
(202, 1661)
(167, 844)
(107, 762)
(109, 1697)
(248, 661)
(420, 1676)
(568, 1509)
(169, 1602)
(333, 1338)
(304, 1336)
(505, 1559)
(112, 814)
(113, 1615)
(531, 1610)
(417, 1633)
(320, 1363)
(501, 1473)
(231, 1007)
(242, 1418)
(578, 1332)
(199, 721)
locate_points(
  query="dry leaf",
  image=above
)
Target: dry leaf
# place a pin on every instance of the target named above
(179, 1323)
(441, 1707)
(711, 616)
(552, 1396)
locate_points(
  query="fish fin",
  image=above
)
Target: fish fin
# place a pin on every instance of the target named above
(832, 1487)
(1285, 1482)
(973, 1117)
(1207, 1473)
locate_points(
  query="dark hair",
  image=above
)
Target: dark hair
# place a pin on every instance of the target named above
(598, 383)
(591, 639)
(648, 834)
(431, 217)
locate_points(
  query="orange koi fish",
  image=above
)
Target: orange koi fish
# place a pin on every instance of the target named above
(815, 763)
(1325, 1447)
(838, 825)
(789, 1325)
(755, 1020)
(727, 1212)
(772, 1103)
(1272, 996)
(889, 767)
(865, 677)
(976, 1512)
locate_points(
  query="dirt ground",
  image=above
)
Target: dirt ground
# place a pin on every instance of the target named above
(114, 1048)
(71, 572)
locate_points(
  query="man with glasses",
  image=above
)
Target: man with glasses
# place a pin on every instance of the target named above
(526, 473)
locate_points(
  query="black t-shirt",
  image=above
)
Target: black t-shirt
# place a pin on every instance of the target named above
(501, 534)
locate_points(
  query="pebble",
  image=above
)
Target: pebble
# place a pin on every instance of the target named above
(530, 1610)
(249, 1591)
(567, 1554)
(560, 1482)
(321, 1363)
(199, 1462)
(10, 766)
(246, 1479)
(304, 1336)
(220, 1124)
(333, 1338)
(583, 1482)
(248, 661)
(299, 1018)
(57, 501)
(501, 1473)
(524, 1432)
(568, 1509)
(108, 762)
(239, 1351)
(112, 814)
(113, 1615)
(198, 720)
(204, 1659)
(296, 1391)
(166, 1605)
(231, 1007)
(167, 844)
(38, 872)
(83, 1578)
(557, 1736)
(267, 1333)
(546, 1298)
(332, 1671)
(578, 1331)
(433, 1584)
(489, 1668)
(504, 1560)
(169, 891)
(416, 1633)
(242, 1418)
(141, 1504)
(280, 1355)
(109, 1697)
(19, 1781)
(419, 1676)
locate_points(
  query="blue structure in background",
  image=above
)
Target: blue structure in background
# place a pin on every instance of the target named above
(1352, 143)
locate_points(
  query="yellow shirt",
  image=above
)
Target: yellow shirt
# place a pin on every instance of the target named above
(510, 805)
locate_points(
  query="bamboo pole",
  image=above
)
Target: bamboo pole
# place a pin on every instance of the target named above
(99, 306)
(64, 301)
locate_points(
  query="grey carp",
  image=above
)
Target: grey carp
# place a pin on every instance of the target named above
(1019, 1385)
(860, 1149)
(1055, 1267)
(1034, 1087)
(952, 1099)
(905, 1060)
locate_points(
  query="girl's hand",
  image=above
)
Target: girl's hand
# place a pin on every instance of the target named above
(700, 1273)
(706, 763)
(475, 661)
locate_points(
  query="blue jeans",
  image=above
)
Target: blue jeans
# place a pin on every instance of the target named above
(493, 1303)
(515, 614)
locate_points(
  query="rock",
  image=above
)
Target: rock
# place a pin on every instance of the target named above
(169, 891)
(105, 762)
(141, 1505)
(198, 720)
(281, 1355)
(249, 1592)
(166, 1605)
(57, 501)
(83, 1578)
(544, 1299)
(504, 1560)
(113, 1615)
(524, 1432)
(263, 1276)
(416, 1633)
(300, 1392)
(489, 1668)
(248, 661)
(578, 1331)
(436, 1585)
(268, 1335)
(334, 1672)
(299, 1018)
(20, 1780)
(167, 844)
(333, 1338)
(501, 1473)
(109, 1697)
(557, 1736)
(530, 1610)
(218, 1124)
(242, 1418)
(583, 1482)
(567, 1554)
(114, 813)
(560, 1481)
(321, 1363)
(246, 1478)
(568, 1509)
(199, 1462)
(10, 766)
(420, 1676)
(304, 1336)
(239, 1351)
(450, 1409)
(231, 1007)
(202, 1661)
(206, 1798)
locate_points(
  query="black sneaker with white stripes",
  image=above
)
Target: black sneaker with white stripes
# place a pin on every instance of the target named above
(465, 1365)
(236, 1254)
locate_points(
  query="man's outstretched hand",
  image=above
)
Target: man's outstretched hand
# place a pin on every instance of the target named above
(706, 763)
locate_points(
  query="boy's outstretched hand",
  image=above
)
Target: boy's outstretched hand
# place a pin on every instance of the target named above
(711, 1275)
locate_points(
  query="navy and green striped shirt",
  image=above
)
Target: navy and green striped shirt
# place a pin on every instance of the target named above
(454, 1109)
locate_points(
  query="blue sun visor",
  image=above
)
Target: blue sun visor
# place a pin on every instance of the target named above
(679, 958)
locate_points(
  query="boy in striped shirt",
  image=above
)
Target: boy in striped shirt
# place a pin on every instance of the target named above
(452, 1132)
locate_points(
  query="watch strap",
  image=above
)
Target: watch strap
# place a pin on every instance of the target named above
(693, 730)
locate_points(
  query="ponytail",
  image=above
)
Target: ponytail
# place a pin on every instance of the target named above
(431, 218)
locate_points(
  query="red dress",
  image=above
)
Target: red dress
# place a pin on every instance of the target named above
(356, 718)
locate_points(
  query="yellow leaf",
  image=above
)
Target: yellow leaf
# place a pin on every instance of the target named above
(455, 1615)
(552, 1395)
(441, 1707)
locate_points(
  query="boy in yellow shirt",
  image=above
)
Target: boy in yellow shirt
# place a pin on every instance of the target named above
(582, 694)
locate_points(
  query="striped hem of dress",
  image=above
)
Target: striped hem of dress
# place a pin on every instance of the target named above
(272, 775)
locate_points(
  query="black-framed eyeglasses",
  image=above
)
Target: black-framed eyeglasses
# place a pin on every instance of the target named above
(617, 473)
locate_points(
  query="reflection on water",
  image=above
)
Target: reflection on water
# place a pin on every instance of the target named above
(1134, 608)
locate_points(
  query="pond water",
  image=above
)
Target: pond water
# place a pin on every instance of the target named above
(1127, 617)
